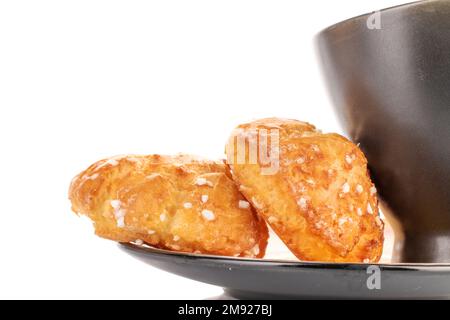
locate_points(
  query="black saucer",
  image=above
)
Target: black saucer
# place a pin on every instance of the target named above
(277, 279)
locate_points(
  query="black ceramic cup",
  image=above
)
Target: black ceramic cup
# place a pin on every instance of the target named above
(388, 74)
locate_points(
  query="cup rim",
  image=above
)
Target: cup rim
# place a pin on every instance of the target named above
(384, 10)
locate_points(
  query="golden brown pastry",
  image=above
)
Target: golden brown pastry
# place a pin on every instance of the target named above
(312, 188)
(179, 203)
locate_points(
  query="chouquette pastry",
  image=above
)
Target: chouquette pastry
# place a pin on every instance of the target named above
(313, 189)
(180, 203)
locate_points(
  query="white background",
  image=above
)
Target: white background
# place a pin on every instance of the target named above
(83, 80)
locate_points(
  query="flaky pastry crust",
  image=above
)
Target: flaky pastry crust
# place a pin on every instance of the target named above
(180, 203)
(320, 201)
